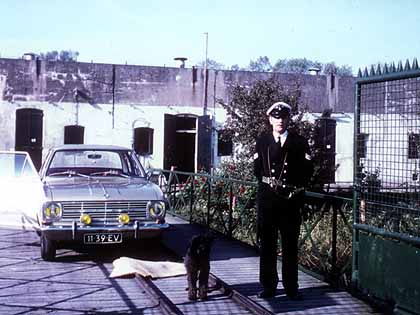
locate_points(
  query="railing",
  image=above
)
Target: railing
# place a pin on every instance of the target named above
(229, 206)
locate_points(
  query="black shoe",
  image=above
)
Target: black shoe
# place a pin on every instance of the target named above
(295, 296)
(267, 293)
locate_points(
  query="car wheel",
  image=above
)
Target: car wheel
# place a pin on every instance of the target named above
(48, 248)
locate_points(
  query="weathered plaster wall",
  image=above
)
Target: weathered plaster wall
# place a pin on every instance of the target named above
(54, 82)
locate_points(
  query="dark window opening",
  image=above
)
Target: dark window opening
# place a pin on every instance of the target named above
(74, 134)
(194, 74)
(362, 145)
(413, 145)
(143, 140)
(184, 123)
(325, 134)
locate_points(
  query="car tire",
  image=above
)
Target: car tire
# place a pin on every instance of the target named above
(48, 248)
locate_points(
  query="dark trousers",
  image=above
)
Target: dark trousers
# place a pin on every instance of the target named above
(277, 214)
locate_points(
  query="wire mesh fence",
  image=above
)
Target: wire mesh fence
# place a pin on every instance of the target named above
(388, 152)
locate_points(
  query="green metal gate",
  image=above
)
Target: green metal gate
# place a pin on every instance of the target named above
(386, 237)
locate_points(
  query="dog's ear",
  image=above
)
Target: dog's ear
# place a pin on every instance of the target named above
(210, 236)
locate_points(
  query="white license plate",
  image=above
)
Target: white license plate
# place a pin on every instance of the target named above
(103, 238)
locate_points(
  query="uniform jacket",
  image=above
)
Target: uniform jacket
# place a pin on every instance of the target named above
(290, 163)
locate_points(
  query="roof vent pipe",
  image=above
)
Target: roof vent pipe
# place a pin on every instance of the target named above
(314, 71)
(182, 59)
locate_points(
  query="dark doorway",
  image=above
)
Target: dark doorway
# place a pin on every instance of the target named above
(28, 136)
(179, 143)
(185, 151)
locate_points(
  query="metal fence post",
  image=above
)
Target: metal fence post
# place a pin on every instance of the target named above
(356, 165)
(191, 198)
(230, 223)
(208, 202)
(334, 245)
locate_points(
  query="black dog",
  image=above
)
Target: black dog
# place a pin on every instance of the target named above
(197, 263)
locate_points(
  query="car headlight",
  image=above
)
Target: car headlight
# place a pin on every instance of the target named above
(52, 211)
(85, 219)
(156, 209)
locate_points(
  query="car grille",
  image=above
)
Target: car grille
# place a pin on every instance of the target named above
(103, 213)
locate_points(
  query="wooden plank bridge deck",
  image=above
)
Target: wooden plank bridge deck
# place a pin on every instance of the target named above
(237, 265)
(80, 283)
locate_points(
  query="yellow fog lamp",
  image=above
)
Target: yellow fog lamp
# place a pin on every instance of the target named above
(85, 219)
(123, 218)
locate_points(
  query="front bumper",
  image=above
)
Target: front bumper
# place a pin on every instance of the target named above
(76, 231)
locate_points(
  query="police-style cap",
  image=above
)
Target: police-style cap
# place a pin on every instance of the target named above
(279, 109)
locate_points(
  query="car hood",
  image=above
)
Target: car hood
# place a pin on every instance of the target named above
(68, 189)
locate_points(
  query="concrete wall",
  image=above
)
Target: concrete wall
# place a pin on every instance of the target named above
(54, 82)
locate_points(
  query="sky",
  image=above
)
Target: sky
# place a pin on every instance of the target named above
(357, 33)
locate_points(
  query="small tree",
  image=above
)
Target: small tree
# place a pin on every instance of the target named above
(247, 119)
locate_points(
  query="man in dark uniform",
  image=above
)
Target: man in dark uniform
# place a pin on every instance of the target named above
(283, 167)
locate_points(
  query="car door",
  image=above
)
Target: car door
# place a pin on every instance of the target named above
(21, 192)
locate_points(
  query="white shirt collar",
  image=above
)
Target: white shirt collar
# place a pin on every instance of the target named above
(283, 138)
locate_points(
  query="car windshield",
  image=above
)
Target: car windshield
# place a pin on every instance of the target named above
(14, 164)
(94, 163)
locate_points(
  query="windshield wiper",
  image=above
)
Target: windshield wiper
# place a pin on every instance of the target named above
(110, 173)
(70, 173)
